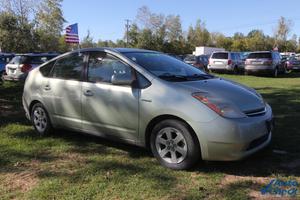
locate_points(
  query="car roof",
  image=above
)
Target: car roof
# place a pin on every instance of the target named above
(38, 54)
(6, 54)
(261, 52)
(119, 50)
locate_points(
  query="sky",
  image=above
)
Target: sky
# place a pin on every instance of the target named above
(105, 19)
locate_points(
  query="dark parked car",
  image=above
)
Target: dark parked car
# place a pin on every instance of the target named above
(21, 64)
(4, 59)
(264, 62)
(200, 62)
(292, 63)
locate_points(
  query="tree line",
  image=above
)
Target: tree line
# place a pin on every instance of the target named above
(31, 26)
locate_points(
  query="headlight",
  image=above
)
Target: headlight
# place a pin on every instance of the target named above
(224, 109)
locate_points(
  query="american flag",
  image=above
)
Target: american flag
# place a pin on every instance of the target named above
(72, 34)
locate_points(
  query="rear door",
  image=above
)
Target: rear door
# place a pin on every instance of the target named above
(219, 59)
(109, 110)
(62, 91)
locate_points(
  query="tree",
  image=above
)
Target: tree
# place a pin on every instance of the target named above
(49, 24)
(133, 35)
(198, 35)
(16, 37)
(281, 32)
(173, 28)
(256, 41)
(87, 41)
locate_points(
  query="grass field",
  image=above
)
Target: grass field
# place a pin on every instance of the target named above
(69, 165)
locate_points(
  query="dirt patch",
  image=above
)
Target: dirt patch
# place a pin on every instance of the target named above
(24, 176)
(257, 184)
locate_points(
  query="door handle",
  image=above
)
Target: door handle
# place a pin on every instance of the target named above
(88, 93)
(47, 87)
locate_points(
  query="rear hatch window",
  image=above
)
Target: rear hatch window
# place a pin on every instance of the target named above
(190, 59)
(19, 60)
(220, 55)
(260, 55)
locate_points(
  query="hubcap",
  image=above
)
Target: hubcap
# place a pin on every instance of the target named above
(40, 119)
(171, 145)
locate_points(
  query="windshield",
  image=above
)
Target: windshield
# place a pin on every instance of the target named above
(167, 67)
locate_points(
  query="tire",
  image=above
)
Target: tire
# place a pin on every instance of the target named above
(286, 70)
(40, 120)
(174, 146)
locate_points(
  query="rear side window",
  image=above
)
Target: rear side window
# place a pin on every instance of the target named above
(38, 59)
(16, 60)
(222, 55)
(69, 67)
(260, 55)
(190, 58)
(46, 69)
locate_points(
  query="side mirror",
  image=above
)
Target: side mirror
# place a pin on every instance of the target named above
(121, 79)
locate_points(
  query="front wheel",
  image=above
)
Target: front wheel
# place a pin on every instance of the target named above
(174, 146)
(40, 120)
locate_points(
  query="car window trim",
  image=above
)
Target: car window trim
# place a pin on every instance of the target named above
(85, 77)
(82, 67)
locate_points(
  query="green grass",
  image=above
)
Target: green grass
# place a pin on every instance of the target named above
(69, 165)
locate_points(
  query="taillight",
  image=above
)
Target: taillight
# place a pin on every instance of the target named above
(247, 62)
(229, 62)
(210, 62)
(26, 68)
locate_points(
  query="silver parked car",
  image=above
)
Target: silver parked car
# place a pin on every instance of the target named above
(18, 68)
(148, 99)
(268, 62)
(226, 61)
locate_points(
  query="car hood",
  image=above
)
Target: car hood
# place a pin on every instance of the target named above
(245, 98)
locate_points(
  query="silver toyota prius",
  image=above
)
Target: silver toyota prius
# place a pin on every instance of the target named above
(149, 99)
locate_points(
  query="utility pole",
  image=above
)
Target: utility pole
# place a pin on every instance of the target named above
(127, 25)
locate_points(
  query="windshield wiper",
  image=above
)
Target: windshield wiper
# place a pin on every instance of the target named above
(174, 77)
(201, 76)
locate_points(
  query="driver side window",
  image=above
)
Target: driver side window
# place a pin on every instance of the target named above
(102, 67)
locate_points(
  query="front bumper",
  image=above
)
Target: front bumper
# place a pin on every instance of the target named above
(233, 139)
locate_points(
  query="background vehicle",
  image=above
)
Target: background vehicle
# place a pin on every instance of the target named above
(226, 61)
(207, 50)
(20, 65)
(292, 63)
(200, 62)
(4, 59)
(149, 99)
(264, 62)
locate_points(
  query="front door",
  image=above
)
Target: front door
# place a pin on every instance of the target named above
(109, 110)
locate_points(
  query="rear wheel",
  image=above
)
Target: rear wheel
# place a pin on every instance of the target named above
(40, 120)
(173, 145)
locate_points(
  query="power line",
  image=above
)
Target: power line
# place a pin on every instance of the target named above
(254, 25)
